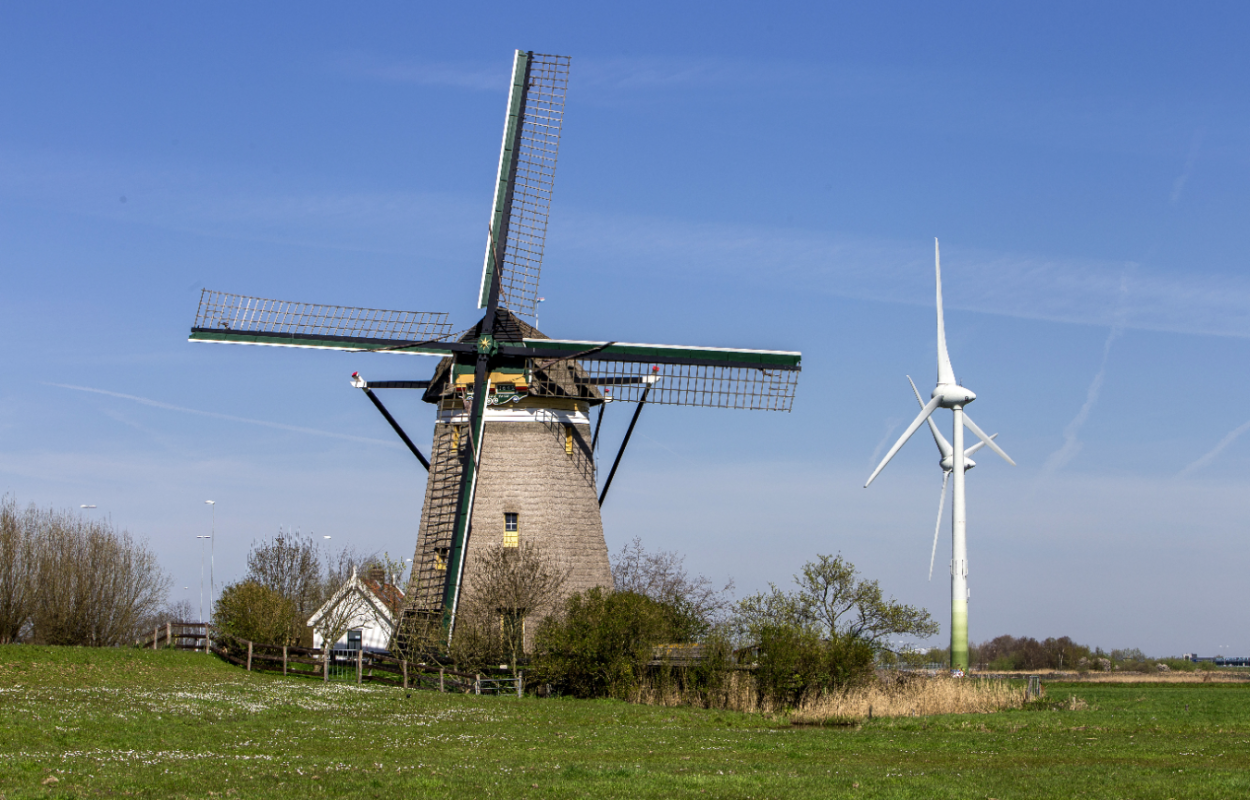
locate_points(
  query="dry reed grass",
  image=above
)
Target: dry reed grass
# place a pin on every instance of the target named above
(886, 696)
(911, 696)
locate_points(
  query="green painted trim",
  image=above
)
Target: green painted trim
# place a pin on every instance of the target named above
(277, 340)
(507, 154)
(762, 357)
(459, 538)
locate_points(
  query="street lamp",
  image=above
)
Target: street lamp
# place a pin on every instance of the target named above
(202, 576)
(540, 300)
(212, 558)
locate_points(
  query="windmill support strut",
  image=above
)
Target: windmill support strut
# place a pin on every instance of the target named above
(378, 404)
(628, 432)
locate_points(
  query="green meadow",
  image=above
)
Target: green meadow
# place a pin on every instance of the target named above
(80, 722)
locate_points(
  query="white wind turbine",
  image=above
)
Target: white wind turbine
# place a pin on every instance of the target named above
(949, 394)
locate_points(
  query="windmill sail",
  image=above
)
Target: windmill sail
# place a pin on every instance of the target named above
(527, 168)
(239, 319)
(679, 375)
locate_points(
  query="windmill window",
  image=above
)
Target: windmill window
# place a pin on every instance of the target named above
(511, 530)
(440, 557)
(568, 440)
(505, 388)
(455, 437)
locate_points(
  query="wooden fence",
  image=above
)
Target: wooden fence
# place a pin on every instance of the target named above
(312, 662)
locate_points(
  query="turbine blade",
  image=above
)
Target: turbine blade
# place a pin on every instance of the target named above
(987, 440)
(943, 446)
(902, 440)
(946, 374)
(978, 445)
(946, 476)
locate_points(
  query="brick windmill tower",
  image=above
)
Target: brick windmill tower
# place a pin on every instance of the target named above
(513, 451)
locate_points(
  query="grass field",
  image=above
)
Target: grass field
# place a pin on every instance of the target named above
(87, 723)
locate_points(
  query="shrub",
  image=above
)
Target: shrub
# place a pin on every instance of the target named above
(795, 664)
(600, 645)
(251, 611)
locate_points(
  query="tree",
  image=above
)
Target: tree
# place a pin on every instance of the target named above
(662, 576)
(290, 565)
(255, 612)
(18, 548)
(509, 585)
(92, 584)
(832, 601)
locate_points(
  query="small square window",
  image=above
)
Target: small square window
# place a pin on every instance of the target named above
(511, 530)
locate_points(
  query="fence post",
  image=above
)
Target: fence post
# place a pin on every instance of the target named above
(403, 663)
(283, 659)
(156, 636)
(325, 663)
(1034, 689)
(477, 683)
(249, 656)
(169, 634)
(360, 658)
(440, 680)
(520, 684)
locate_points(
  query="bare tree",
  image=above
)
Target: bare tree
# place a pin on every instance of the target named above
(18, 546)
(93, 585)
(291, 565)
(345, 609)
(662, 576)
(508, 586)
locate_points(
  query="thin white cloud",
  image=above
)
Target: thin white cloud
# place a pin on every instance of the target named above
(227, 417)
(1210, 455)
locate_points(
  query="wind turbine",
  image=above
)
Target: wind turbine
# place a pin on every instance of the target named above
(949, 394)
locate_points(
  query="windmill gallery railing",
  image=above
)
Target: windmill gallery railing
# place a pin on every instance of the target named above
(312, 662)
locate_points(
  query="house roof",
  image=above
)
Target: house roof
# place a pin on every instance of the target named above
(383, 599)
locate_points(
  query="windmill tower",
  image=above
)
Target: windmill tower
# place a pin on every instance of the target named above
(949, 393)
(513, 451)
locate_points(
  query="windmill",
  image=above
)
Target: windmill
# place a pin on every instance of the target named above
(513, 450)
(955, 463)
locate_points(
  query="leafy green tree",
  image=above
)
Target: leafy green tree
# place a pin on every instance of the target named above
(600, 645)
(832, 601)
(257, 613)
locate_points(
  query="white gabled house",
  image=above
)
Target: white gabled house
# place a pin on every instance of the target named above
(364, 611)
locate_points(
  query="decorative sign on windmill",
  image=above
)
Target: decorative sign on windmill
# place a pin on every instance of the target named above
(513, 450)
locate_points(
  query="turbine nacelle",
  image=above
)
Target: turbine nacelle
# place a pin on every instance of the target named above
(948, 463)
(950, 395)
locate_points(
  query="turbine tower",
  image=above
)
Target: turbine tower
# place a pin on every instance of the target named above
(949, 394)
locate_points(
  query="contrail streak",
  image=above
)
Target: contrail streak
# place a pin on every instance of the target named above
(1071, 444)
(227, 417)
(1228, 439)
(891, 425)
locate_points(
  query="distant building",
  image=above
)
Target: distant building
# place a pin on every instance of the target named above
(368, 609)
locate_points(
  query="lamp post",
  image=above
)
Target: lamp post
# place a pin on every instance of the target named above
(202, 575)
(212, 559)
(540, 300)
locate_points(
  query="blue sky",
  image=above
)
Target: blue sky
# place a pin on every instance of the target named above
(757, 176)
